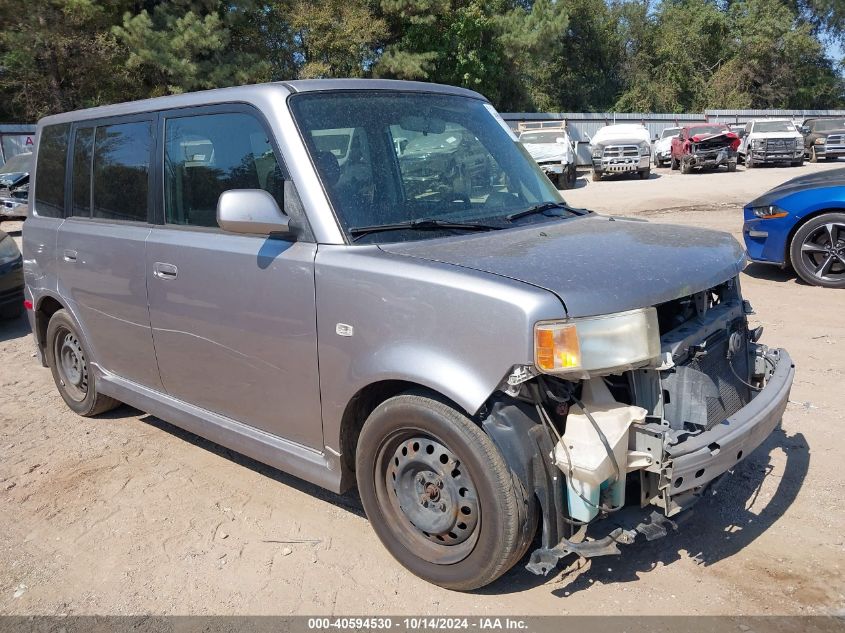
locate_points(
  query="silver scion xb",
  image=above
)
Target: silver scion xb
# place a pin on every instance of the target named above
(372, 283)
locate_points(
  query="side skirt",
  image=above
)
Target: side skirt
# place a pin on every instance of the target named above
(321, 469)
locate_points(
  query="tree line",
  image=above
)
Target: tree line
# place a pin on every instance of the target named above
(524, 55)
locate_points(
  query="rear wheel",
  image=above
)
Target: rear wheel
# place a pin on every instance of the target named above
(817, 251)
(439, 495)
(69, 362)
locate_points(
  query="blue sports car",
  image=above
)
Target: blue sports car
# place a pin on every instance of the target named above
(801, 223)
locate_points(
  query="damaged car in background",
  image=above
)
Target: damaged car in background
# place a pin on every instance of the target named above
(14, 187)
(554, 151)
(623, 148)
(704, 147)
(483, 361)
(663, 146)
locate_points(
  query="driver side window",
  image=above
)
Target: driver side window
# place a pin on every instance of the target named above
(206, 155)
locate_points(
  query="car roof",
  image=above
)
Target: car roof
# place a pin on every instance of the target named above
(253, 92)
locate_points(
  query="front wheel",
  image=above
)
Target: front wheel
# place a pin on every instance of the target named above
(439, 495)
(596, 175)
(749, 162)
(817, 251)
(644, 174)
(814, 158)
(731, 165)
(674, 164)
(69, 362)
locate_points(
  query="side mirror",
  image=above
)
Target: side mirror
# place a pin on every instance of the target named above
(252, 211)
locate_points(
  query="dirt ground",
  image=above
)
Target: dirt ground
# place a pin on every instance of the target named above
(125, 514)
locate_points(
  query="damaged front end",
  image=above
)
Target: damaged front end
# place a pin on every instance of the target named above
(710, 152)
(688, 391)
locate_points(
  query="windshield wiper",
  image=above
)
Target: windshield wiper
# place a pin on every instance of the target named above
(542, 207)
(421, 225)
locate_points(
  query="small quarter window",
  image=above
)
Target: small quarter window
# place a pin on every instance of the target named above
(121, 171)
(206, 155)
(50, 171)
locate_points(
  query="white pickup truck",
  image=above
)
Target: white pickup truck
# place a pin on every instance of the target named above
(621, 148)
(554, 152)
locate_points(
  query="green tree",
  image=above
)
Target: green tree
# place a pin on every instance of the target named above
(58, 55)
(183, 45)
(336, 38)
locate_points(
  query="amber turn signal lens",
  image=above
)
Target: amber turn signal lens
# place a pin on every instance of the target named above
(557, 347)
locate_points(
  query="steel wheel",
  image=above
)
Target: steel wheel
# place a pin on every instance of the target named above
(823, 252)
(71, 364)
(433, 498)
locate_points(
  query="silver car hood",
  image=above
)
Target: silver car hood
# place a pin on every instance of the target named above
(594, 264)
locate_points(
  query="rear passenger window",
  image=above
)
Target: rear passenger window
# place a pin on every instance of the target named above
(206, 155)
(82, 145)
(50, 171)
(121, 171)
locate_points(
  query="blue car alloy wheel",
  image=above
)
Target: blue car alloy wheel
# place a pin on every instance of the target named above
(818, 251)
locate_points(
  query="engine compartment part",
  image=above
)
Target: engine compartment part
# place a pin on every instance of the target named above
(593, 452)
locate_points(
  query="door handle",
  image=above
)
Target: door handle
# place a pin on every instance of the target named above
(165, 271)
(70, 256)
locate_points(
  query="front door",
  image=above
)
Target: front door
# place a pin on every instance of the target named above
(100, 247)
(233, 316)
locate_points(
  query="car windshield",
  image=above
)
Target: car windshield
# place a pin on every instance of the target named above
(541, 137)
(421, 160)
(774, 126)
(670, 131)
(828, 125)
(705, 130)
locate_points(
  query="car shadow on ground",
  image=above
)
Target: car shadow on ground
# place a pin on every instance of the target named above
(626, 176)
(349, 501)
(729, 518)
(769, 272)
(14, 328)
(724, 522)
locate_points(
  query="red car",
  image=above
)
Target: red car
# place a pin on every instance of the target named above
(705, 146)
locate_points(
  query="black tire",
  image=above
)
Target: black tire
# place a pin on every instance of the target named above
(749, 162)
(420, 452)
(674, 164)
(568, 177)
(644, 174)
(686, 168)
(596, 175)
(809, 251)
(731, 165)
(68, 359)
(814, 158)
(798, 163)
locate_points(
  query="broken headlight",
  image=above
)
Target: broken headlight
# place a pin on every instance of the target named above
(600, 345)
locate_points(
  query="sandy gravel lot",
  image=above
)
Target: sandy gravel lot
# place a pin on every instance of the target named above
(125, 514)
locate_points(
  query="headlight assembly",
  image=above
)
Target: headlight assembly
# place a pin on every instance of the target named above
(820, 141)
(769, 212)
(8, 250)
(597, 152)
(600, 345)
(645, 149)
